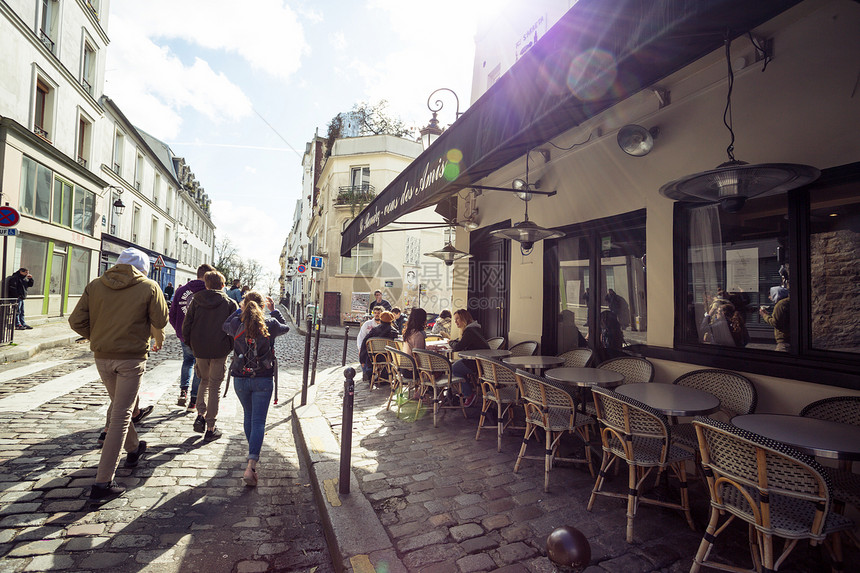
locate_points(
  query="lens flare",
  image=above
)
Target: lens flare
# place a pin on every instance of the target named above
(455, 155)
(591, 74)
(452, 171)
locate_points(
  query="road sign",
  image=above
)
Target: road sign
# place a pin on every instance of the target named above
(301, 269)
(159, 262)
(9, 216)
(6, 232)
(316, 263)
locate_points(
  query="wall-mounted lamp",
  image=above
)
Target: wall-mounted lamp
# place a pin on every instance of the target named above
(432, 131)
(636, 140)
(118, 207)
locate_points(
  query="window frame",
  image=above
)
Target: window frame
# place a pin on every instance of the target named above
(803, 362)
(118, 150)
(89, 55)
(43, 106)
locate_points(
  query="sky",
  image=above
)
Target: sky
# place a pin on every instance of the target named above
(238, 88)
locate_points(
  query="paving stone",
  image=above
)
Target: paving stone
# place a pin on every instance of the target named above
(86, 543)
(39, 533)
(41, 547)
(478, 544)
(252, 567)
(496, 522)
(472, 563)
(514, 552)
(466, 531)
(17, 508)
(627, 563)
(64, 493)
(419, 541)
(50, 563)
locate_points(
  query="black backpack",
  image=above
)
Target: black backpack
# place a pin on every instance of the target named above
(251, 356)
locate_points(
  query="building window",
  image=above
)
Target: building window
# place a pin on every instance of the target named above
(359, 177)
(83, 217)
(88, 67)
(153, 233)
(138, 171)
(361, 257)
(84, 140)
(792, 255)
(36, 180)
(32, 253)
(118, 143)
(63, 197)
(135, 224)
(156, 188)
(167, 243)
(48, 22)
(79, 269)
(169, 200)
(613, 307)
(43, 109)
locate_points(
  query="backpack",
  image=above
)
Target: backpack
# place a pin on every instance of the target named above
(251, 356)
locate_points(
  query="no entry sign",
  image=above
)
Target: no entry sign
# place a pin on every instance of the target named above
(9, 216)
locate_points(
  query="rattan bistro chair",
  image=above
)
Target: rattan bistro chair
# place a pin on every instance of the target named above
(434, 373)
(635, 370)
(577, 358)
(405, 374)
(499, 391)
(496, 342)
(777, 490)
(377, 350)
(639, 436)
(555, 412)
(737, 396)
(526, 348)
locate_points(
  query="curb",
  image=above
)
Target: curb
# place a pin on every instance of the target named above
(18, 353)
(356, 538)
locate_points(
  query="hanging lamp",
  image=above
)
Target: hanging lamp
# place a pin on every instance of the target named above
(735, 181)
(448, 254)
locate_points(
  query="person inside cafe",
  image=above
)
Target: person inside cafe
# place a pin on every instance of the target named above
(413, 336)
(778, 317)
(611, 336)
(378, 301)
(472, 338)
(724, 322)
(569, 336)
(442, 326)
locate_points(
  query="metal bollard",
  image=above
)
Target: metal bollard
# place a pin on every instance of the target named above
(307, 362)
(346, 429)
(316, 355)
(345, 342)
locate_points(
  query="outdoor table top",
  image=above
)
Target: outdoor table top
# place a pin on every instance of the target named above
(485, 353)
(534, 362)
(672, 399)
(585, 377)
(809, 435)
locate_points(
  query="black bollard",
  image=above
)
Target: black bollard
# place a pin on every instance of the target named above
(568, 549)
(345, 342)
(307, 362)
(346, 429)
(316, 354)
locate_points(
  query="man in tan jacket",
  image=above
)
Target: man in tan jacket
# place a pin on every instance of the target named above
(117, 313)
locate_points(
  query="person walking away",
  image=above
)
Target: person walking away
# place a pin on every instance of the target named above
(778, 318)
(235, 292)
(17, 285)
(168, 291)
(472, 338)
(210, 345)
(378, 301)
(253, 368)
(117, 313)
(178, 309)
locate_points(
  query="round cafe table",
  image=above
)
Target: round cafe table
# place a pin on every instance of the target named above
(809, 435)
(485, 353)
(671, 399)
(534, 362)
(585, 377)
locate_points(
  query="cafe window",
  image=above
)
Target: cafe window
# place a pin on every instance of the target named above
(742, 272)
(63, 197)
(609, 314)
(79, 271)
(35, 189)
(31, 254)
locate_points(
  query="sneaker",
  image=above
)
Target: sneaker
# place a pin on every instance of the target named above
(212, 434)
(192, 405)
(133, 458)
(28, 327)
(144, 412)
(200, 425)
(100, 494)
(183, 397)
(468, 400)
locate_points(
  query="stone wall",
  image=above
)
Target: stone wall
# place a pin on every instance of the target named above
(836, 290)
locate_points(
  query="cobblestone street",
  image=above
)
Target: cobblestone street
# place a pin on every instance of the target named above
(186, 508)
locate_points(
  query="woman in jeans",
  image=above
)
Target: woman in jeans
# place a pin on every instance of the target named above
(253, 373)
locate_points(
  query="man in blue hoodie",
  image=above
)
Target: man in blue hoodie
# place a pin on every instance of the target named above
(178, 309)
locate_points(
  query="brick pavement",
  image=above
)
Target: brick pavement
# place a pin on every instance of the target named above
(186, 508)
(450, 503)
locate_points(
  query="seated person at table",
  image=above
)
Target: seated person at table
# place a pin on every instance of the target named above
(362, 335)
(472, 338)
(442, 327)
(383, 330)
(413, 336)
(399, 319)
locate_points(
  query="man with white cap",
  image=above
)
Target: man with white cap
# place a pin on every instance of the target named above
(117, 313)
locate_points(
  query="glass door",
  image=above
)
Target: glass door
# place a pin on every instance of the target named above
(56, 287)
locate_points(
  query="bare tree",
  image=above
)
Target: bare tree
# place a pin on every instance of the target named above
(226, 257)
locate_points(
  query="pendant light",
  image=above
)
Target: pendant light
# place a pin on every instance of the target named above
(526, 232)
(734, 181)
(449, 253)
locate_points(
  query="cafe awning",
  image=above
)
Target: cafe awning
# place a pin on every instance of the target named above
(600, 53)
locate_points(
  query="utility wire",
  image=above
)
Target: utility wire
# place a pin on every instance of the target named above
(276, 133)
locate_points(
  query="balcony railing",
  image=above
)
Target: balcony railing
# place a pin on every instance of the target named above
(117, 168)
(87, 86)
(81, 161)
(355, 194)
(41, 133)
(46, 39)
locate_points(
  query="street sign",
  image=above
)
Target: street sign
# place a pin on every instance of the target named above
(5, 232)
(159, 262)
(301, 269)
(316, 263)
(9, 216)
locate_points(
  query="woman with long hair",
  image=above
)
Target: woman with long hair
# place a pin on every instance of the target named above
(413, 336)
(254, 368)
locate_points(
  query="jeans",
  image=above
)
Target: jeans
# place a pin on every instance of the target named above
(188, 369)
(19, 319)
(465, 369)
(254, 394)
(122, 381)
